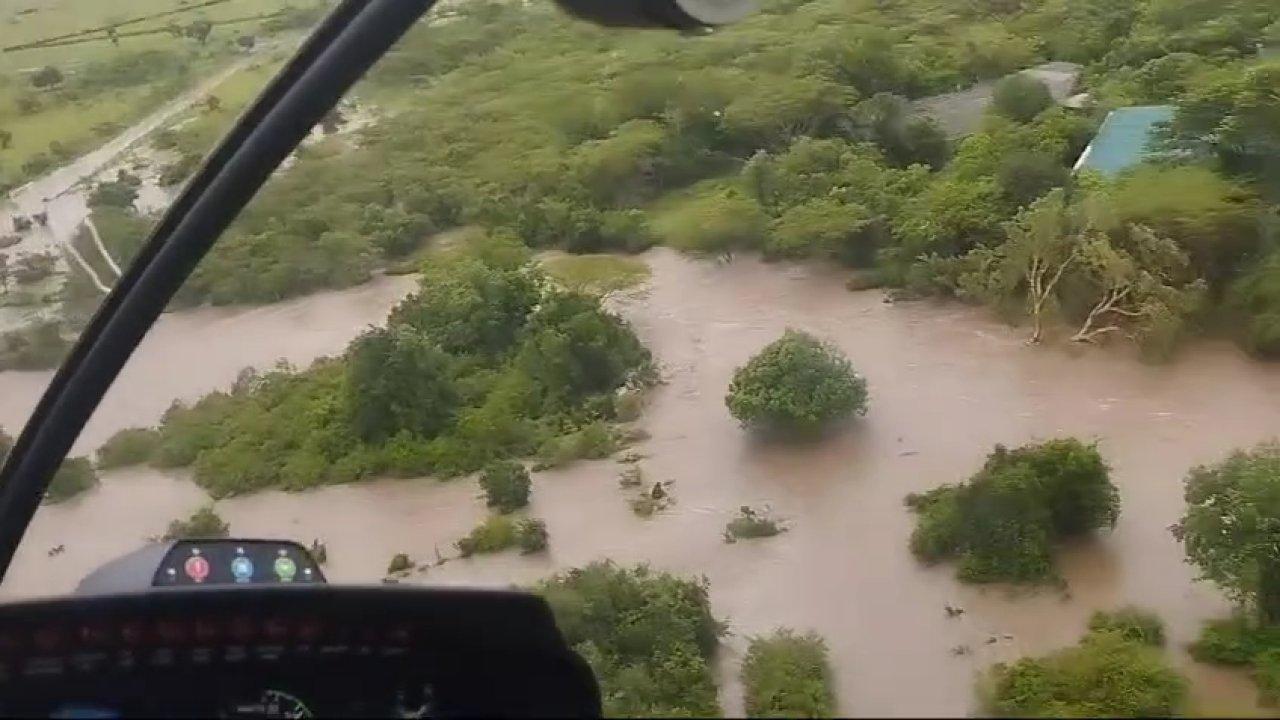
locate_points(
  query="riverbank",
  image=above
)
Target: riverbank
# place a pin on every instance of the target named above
(947, 383)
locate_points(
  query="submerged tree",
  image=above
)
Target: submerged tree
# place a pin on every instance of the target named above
(1231, 529)
(796, 383)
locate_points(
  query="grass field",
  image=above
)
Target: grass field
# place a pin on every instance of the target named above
(79, 114)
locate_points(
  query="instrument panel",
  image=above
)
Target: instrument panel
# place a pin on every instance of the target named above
(236, 562)
(290, 650)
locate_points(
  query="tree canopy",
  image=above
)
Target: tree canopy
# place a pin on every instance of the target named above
(796, 383)
(1003, 523)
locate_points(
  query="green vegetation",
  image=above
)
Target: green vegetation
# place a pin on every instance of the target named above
(1133, 623)
(596, 274)
(131, 446)
(203, 524)
(1229, 532)
(788, 675)
(506, 485)
(1021, 98)
(73, 477)
(38, 346)
(495, 534)
(532, 535)
(486, 362)
(60, 101)
(1106, 675)
(750, 523)
(1233, 510)
(796, 383)
(1002, 524)
(649, 636)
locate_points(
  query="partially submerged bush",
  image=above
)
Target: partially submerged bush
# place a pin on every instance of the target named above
(788, 675)
(1131, 622)
(796, 383)
(399, 563)
(131, 446)
(531, 535)
(1106, 675)
(204, 524)
(75, 476)
(495, 534)
(1002, 524)
(506, 485)
(750, 523)
(648, 636)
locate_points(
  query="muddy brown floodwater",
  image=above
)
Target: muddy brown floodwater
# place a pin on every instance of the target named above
(947, 383)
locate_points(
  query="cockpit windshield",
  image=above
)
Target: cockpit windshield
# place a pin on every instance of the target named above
(862, 357)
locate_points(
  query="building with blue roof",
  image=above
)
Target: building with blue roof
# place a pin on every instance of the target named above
(1125, 139)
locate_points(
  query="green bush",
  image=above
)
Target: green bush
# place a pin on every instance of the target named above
(788, 675)
(1002, 524)
(531, 535)
(203, 524)
(1106, 675)
(594, 442)
(796, 383)
(749, 523)
(716, 222)
(73, 477)
(1133, 623)
(1022, 97)
(650, 637)
(495, 534)
(506, 485)
(131, 446)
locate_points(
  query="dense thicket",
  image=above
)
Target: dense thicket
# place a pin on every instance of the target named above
(796, 383)
(649, 636)
(1106, 675)
(1003, 523)
(791, 133)
(486, 361)
(786, 674)
(73, 477)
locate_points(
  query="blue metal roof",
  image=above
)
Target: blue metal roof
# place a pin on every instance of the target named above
(1125, 138)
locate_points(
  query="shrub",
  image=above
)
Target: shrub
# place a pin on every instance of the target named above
(788, 675)
(400, 562)
(531, 535)
(131, 446)
(595, 441)
(649, 637)
(495, 534)
(1106, 675)
(204, 524)
(1021, 97)
(74, 477)
(506, 485)
(714, 223)
(1001, 525)
(749, 523)
(796, 383)
(1133, 623)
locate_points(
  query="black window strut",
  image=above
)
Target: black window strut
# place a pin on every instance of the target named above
(346, 44)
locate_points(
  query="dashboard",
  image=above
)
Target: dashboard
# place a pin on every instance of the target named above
(209, 646)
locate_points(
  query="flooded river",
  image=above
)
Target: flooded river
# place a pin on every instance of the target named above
(946, 383)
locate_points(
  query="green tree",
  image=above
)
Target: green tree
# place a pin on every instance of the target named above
(204, 524)
(1043, 243)
(649, 636)
(1002, 524)
(398, 380)
(73, 477)
(1231, 529)
(1141, 280)
(825, 227)
(1106, 675)
(506, 485)
(796, 383)
(788, 675)
(1027, 176)
(469, 304)
(1021, 97)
